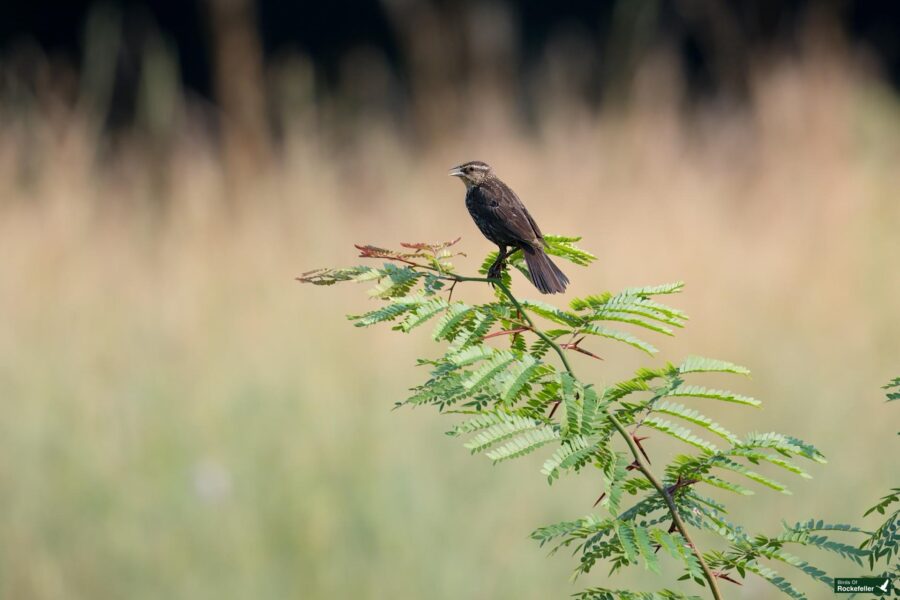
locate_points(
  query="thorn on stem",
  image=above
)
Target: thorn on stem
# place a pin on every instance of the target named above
(575, 346)
(553, 410)
(680, 483)
(726, 577)
(637, 442)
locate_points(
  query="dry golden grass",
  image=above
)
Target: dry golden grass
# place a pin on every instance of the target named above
(180, 419)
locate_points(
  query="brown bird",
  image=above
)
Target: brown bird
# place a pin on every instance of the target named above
(504, 220)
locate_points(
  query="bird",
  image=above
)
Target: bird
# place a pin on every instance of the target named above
(505, 221)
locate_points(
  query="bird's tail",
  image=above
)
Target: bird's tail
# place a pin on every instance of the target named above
(545, 275)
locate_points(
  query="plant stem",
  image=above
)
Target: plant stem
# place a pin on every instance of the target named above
(632, 446)
(506, 291)
(642, 464)
(676, 518)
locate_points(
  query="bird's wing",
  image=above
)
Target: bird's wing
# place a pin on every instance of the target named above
(504, 209)
(534, 226)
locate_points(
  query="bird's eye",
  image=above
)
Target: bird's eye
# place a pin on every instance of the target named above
(468, 169)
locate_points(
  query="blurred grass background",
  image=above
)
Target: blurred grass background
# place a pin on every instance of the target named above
(181, 419)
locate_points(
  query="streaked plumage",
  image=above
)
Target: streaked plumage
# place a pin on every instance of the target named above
(504, 220)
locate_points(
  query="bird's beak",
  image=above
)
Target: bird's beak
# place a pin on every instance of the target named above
(456, 172)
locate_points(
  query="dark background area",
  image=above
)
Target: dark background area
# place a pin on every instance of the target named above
(704, 32)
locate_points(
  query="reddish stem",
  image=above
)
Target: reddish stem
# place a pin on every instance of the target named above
(507, 332)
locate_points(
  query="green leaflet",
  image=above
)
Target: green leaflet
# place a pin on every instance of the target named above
(569, 452)
(524, 444)
(775, 579)
(395, 282)
(678, 549)
(638, 305)
(794, 561)
(723, 462)
(441, 390)
(482, 421)
(886, 501)
(756, 457)
(589, 302)
(552, 313)
(486, 372)
(367, 274)
(680, 433)
(843, 550)
(632, 318)
(669, 542)
(632, 309)
(473, 333)
(626, 535)
(577, 529)
(422, 313)
(619, 336)
(614, 476)
(637, 545)
(624, 388)
(712, 519)
(698, 364)
(573, 404)
(564, 247)
(386, 313)
(678, 410)
(784, 444)
(726, 485)
(645, 547)
(471, 354)
(523, 372)
(510, 426)
(884, 542)
(820, 525)
(333, 276)
(635, 485)
(591, 408)
(447, 325)
(654, 290)
(696, 391)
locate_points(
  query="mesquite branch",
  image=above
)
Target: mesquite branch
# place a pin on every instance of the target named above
(640, 460)
(591, 419)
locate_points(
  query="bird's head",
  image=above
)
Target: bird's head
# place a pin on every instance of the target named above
(472, 173)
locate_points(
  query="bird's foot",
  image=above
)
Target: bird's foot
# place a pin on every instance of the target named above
(496, 270)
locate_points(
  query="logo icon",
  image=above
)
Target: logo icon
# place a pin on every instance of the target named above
(879, 586)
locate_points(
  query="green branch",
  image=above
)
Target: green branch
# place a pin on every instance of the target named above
(506, 291)
(507, 393)
(644, 468)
